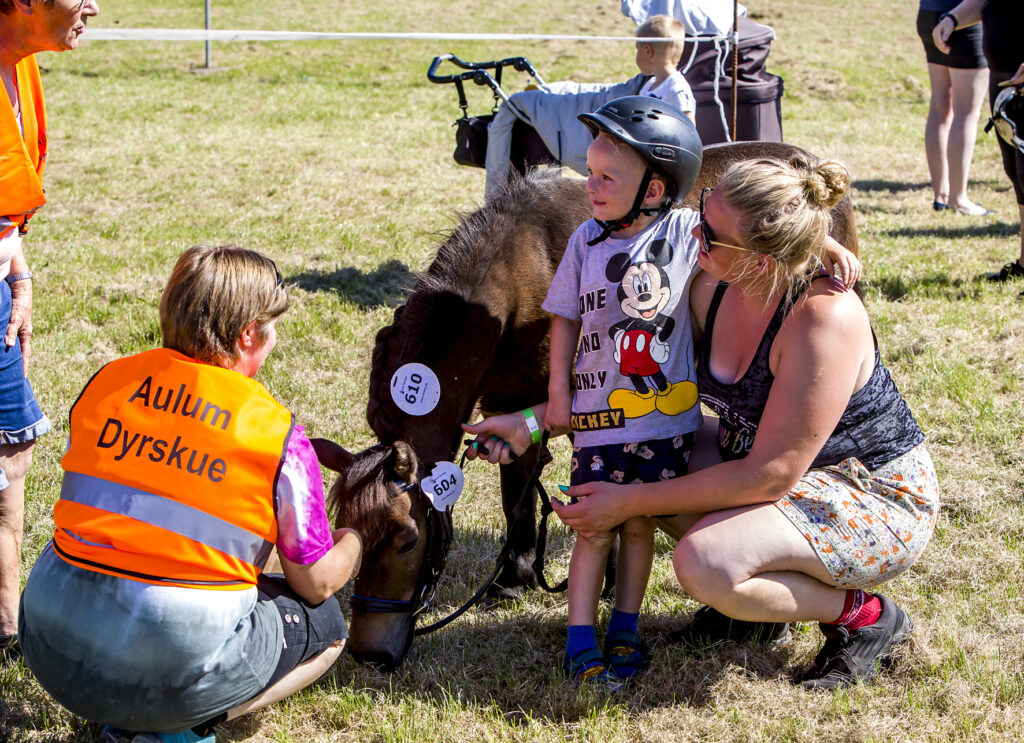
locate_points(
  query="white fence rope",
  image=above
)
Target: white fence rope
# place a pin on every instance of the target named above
(184, 34)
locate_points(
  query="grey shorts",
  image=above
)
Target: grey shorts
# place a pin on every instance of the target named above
(162, 658)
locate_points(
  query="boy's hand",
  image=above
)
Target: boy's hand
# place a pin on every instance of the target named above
(558, 417)
(842, 263)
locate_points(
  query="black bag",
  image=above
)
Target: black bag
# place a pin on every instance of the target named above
(527, 147)
(471, 140)
(759, 93)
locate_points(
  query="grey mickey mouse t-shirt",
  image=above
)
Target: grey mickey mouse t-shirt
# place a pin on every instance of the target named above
(634, 375)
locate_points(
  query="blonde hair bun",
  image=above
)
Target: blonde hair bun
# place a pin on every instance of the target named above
(827, 183)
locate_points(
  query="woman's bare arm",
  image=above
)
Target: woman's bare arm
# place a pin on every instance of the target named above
(814, 380)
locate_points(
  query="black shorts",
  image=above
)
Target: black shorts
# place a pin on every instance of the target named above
(309, 629)
(965, 51)
(648, 461)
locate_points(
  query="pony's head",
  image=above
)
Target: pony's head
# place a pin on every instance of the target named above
(376, 494)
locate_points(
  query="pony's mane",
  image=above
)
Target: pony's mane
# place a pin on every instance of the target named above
(460, 268)
(466, 255)
(359, 496)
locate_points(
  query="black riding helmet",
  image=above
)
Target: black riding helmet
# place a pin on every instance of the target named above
(1008, 117)
(663, 136)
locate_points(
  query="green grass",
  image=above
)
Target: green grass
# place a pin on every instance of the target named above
(335, 159)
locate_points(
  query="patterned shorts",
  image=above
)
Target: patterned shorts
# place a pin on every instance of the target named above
(867, 527)
(648, 461)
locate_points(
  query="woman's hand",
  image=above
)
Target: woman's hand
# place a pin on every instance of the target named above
(19, 328)
(498, 434)
(318, 581)
(941, 33)
(601, 508)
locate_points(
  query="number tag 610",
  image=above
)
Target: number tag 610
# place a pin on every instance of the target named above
(415, 389)
(444, 485)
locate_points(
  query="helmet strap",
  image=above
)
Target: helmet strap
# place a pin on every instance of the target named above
(614, 225)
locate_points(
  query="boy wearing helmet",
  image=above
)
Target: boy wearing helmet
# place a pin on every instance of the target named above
(621, 296)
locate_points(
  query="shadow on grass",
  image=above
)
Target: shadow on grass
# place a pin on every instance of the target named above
(513, 665)
(990, 229)
(880, 184)
(386, 285)
(895, 288)
(508, 658)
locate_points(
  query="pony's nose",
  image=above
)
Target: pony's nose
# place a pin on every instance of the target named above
(381, 659)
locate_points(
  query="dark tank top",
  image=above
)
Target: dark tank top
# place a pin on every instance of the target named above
(876, 426)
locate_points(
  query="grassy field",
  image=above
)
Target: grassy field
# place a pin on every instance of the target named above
(335, 159)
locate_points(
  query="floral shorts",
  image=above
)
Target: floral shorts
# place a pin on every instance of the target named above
(867, 527)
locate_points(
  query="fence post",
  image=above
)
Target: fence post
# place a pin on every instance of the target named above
(207, 28)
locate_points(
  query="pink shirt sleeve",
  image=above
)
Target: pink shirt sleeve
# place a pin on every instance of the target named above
(303, 531)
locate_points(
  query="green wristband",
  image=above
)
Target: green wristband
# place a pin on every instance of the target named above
(531, 423)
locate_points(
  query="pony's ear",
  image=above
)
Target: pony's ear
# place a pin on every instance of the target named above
(332, 455)
(403, 461)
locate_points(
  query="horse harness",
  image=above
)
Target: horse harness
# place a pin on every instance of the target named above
(440, 531)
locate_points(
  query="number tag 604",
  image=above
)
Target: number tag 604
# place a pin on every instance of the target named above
(444, 485)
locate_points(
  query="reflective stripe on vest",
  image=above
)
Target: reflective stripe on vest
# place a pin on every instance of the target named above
(22, 157)
(165, 513)
(170, 473)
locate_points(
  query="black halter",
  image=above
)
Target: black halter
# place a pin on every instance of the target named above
(614, 225)
(439, 539)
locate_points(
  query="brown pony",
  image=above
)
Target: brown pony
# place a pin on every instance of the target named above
(474, 318)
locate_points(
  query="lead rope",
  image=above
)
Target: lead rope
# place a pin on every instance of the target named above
(506, 554)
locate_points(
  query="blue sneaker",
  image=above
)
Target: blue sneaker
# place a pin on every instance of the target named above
(187, 736)
(589, 667)
(111, 734)
(626, 652)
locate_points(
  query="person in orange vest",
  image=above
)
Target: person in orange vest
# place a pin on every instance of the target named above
(150, 610)
(26, 27)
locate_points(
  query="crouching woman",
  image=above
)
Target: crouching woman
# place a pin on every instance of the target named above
(149, 610)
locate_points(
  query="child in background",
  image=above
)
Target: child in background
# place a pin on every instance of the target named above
(660, 60)
(624, 281)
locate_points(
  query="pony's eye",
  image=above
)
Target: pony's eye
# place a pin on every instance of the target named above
(408, 540)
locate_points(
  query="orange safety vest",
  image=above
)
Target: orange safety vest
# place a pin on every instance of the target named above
(170, 473)
(22, 156)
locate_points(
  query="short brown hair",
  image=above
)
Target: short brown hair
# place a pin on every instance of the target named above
(213, 295)
(664, 27)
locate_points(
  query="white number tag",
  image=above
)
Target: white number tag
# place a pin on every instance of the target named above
(415, 389)
(444, 485)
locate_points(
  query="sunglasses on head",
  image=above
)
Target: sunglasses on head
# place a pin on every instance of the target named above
(277, 274)
(707, 236)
